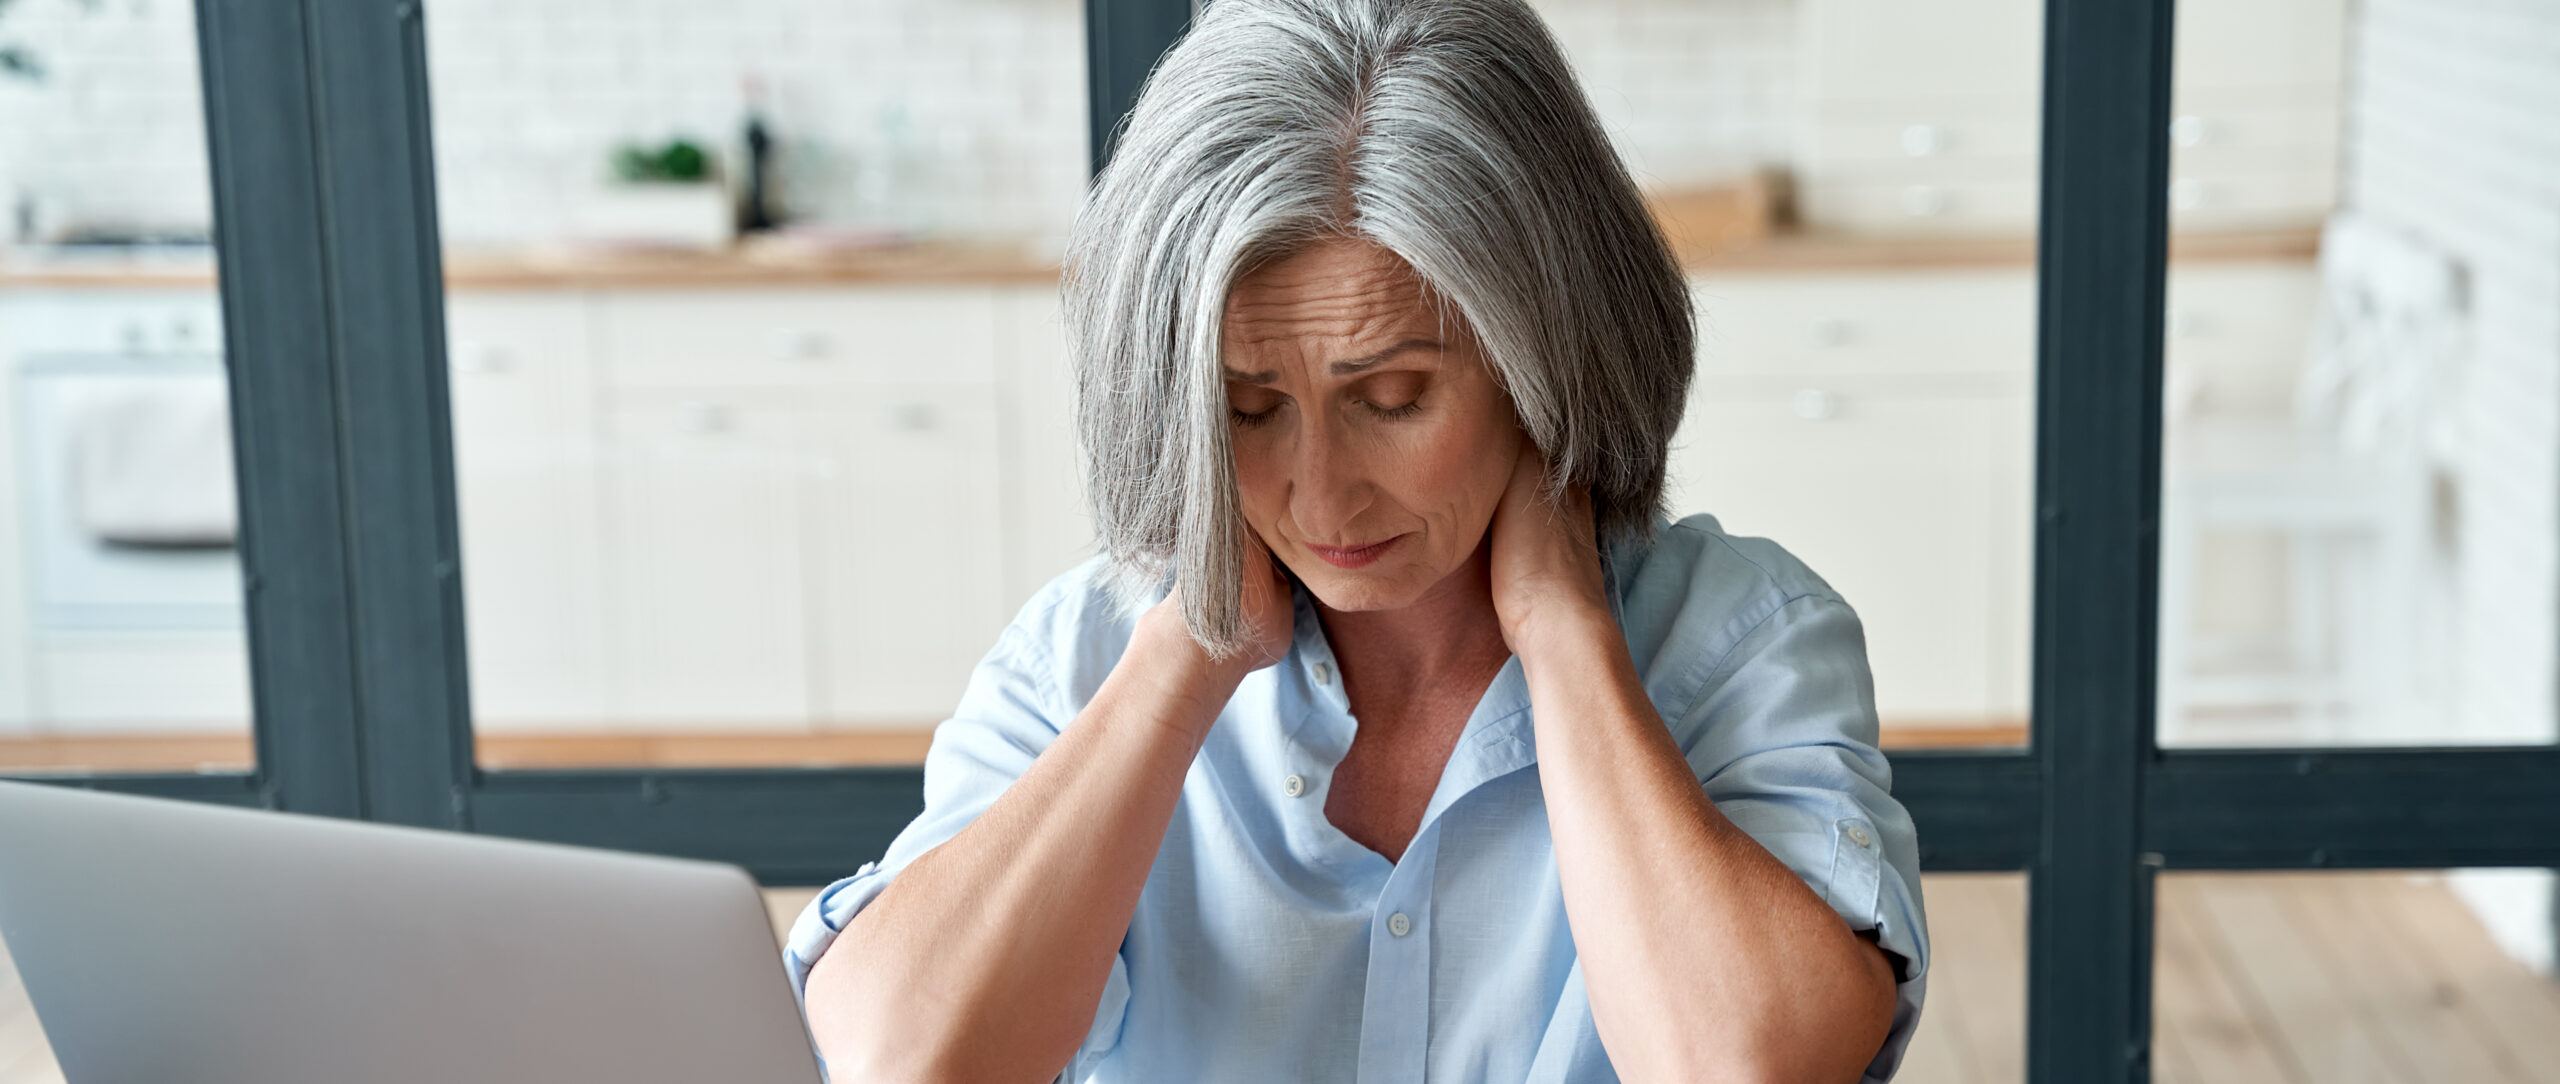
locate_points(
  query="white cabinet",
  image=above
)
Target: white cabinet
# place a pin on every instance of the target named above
(798, 337)
(910, 525)
(1924, 119)
(806, 515)
(707, 608)
(1050, 527)
(1880, 426)
(524, 450)
(1914, 507)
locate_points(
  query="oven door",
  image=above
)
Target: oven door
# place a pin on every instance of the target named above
(83, 576)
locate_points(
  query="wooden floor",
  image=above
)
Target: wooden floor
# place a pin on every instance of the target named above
(2300, 979)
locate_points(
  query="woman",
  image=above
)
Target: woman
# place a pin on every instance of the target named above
(1395, 735)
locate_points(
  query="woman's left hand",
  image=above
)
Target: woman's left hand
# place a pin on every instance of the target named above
(1546, 554)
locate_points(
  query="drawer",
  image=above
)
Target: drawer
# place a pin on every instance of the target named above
(1909, 132)
(1917, 509)
(2235, 336)
(2262, 43)
(2251, 313)
(1873, 323)
(2251, 200)
(1999, 200)
(797, 336)
(113, 321)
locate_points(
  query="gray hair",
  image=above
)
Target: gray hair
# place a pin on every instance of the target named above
(1450, 132)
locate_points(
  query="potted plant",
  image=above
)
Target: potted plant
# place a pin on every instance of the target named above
(662, 195)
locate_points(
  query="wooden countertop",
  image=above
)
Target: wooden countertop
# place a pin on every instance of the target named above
(943, 263)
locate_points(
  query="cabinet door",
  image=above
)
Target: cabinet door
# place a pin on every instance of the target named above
(524, 450)
(1048, 528)
(1913, 507)
(706, 592)
(910, 532)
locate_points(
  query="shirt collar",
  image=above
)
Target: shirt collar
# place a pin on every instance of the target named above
(1499, 737)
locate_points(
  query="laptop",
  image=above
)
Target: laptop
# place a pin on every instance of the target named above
(163, 940)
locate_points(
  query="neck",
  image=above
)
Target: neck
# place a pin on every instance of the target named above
(1451, 632)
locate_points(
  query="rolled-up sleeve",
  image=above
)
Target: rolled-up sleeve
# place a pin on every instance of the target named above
(1783, 738)
(1008, 714)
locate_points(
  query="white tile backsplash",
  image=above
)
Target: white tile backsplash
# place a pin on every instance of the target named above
(953, 115)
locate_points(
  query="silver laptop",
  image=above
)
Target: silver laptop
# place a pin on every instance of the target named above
(173, 941)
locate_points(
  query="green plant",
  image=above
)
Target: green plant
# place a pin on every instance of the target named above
(679, 159)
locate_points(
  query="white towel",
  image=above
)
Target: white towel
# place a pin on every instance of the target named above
(150, 461)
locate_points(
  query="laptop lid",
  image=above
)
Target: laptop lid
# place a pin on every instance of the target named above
(170, 940)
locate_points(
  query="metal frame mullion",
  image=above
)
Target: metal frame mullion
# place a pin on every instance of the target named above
(2101, 257)
(385, 287)
(272, 260)
(1122, 40)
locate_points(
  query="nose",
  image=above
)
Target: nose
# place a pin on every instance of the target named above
(1328, 484)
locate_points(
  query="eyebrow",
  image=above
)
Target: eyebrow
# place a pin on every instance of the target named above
(1344, 367)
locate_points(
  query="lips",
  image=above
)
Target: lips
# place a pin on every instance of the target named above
(1354, 556)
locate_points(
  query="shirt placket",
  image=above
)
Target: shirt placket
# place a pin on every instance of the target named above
(1395, 1001)
(1395, 1009)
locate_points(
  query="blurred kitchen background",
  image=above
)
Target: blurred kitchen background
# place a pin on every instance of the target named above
(760, 416)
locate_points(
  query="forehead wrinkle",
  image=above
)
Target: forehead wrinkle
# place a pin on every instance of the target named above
(1348, 311)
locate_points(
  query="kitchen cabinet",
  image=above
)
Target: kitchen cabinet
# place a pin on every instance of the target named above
(910, 523)
(797, 337)
(692, 509)
(814, 507)
(525, 451)
(1880, 427)
(707, 603)
(1924, 119)
(1049, 529)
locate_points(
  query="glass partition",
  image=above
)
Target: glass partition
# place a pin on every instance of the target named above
(122, 646)
(2357, 538)
(1852, 186)
(759, 410)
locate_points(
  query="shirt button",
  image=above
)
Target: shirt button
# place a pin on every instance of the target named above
(1294, 786)
(1858, 835)
(1324, 674)
(1399, 925)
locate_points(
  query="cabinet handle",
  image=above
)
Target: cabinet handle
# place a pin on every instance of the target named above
(478, 357)
(1923, 201)
(1921, 140)
(913, 417)
(1815, 404)
(707, 418)
(2188, 193)
(2188, 130)
(796, 344)
(1834, 331)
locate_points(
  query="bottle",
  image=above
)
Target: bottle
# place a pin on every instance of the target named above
(756, 209)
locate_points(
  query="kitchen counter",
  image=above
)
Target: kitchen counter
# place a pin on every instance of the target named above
(565, 268)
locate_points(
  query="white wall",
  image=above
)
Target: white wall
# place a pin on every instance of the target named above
(950, 114)
(2453, 106)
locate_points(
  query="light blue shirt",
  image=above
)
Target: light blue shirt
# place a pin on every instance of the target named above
(1269, 946)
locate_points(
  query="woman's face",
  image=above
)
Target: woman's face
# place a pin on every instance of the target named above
(1371, 443)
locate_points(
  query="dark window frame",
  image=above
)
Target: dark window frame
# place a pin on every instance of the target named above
(316, 114)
